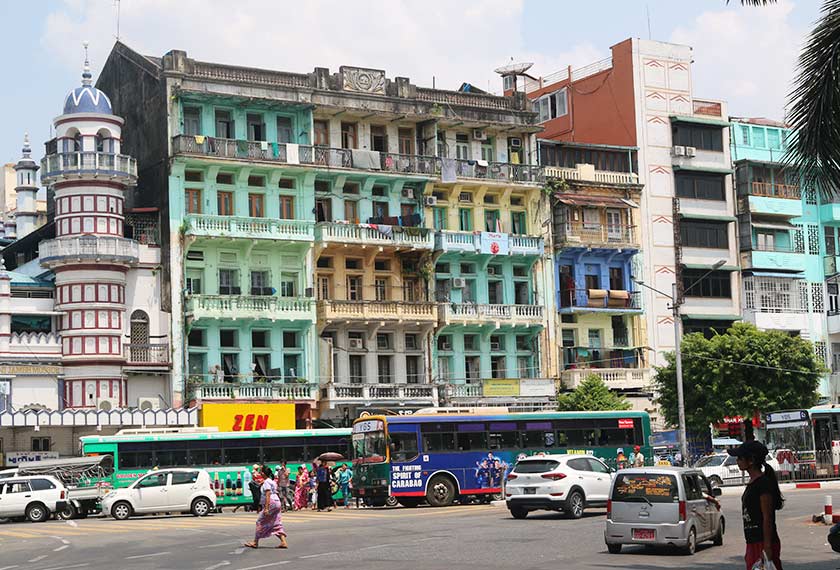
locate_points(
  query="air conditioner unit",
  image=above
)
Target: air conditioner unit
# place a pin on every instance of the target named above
(459, 282)
(465, 197)
(148, 403)
(679, 150)
(515, 142)
(408, 193)
(356, 344)
(491, 270)
(495, 346)
(107, 404)
(690, 151)
(430, 201)
(479, 135)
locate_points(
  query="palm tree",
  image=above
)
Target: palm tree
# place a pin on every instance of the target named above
(815, 102)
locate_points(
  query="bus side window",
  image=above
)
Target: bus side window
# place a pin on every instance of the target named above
(403, 446)
(439, 442)
(504, 440)
(472, 441)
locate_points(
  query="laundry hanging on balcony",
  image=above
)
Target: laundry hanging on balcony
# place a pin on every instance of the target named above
(368, 159)
(448, 170)
(292, 153)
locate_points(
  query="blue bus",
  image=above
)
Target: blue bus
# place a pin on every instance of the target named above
(443, 458)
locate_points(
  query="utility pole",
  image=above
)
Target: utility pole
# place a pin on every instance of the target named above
(675, 307)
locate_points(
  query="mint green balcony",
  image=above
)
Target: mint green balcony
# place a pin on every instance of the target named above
(778, 259)
(251, 307)
(830, 212)
(775, 206)
(205, 225)
(483, 242)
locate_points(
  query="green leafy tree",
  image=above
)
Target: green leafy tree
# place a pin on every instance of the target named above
(592, 395)
(738, 373)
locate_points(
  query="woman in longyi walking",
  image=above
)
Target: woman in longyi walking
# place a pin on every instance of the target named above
(270, 521)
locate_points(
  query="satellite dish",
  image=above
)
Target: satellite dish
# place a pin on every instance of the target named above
(513, 68)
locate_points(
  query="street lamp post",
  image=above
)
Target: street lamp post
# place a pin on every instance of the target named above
(675, 309)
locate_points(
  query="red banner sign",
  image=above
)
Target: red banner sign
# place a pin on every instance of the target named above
(625, 424)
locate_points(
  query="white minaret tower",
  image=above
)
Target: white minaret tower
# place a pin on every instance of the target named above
(26, 213)
(90, 257)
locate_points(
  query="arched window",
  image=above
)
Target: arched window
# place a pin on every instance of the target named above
(139, 327)
(104, 141)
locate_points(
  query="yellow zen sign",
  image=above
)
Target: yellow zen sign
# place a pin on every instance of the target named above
(247, 417)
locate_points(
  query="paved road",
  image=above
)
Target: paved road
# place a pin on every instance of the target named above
(459, 537)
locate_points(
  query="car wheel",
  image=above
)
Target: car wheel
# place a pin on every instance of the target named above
(121, 511)
(575, 505)
(518, 512)
(691, 543)
(391, 501)
(36, 512)
(614, 548)
(718, 541)
(201, 507)
(441, 492)
(68, 512)
(715, 481)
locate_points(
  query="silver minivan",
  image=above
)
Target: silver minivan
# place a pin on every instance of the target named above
(662, 506)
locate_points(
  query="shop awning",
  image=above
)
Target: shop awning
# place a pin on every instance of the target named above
(783, 226)
(762, 273)
(594, 201)
(699, 120)
(716, 217)
(709, 169)
(704, 317)
(710, 266)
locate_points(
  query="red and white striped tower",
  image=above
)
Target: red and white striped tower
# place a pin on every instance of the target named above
(89, 256)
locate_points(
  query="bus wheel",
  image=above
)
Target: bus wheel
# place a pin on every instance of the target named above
(409, 502)
(441, 491)
(391, 501)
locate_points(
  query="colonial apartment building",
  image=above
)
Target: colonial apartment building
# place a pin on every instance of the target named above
(642, 97)
(345, 240)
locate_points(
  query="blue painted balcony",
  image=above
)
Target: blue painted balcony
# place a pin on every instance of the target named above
(488, 243)
(205, 225)
(609, 301)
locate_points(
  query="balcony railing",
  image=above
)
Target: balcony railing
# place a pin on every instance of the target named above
(343, 158)
(594, 233)
(783, 248)
(375, 234)
(618, 356)
(774, 190)
(478, 313)
(77, 164)
(423, 393)
(151, 354)
(615, 378)
(477, 389)
(251, 307)
(259, 228)
(591, 175)
(503, 171)
(600, 299)
(255, 391)
(378, 310)
(831, 264)
(471, 242)
(90, 247)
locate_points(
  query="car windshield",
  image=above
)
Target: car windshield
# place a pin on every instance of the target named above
(711, 461)
(795, 438)
(536, 466)
(645, 488)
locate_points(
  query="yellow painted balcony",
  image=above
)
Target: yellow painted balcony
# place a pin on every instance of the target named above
(614, 378)
(372, 234)
(378, 311)
(590, 233)
(251, 307)
(477, 314)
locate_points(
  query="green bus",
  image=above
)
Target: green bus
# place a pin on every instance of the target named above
(442, 457)
(227, 456)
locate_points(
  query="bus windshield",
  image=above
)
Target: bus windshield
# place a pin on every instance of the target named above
(795, 438)
(369, 442)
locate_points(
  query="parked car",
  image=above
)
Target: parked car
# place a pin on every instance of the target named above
(33, 497)
(663, 506)
(722, 469)
(163, 491)
(568, 483)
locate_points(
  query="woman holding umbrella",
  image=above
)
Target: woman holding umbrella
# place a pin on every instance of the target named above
(324, 476)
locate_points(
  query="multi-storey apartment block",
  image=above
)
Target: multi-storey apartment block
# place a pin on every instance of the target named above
(597, 237)
(642, 97)
(309, 218)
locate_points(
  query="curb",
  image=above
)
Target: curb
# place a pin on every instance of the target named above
(815, 485)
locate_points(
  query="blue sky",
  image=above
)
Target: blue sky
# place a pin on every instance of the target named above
(742, 55)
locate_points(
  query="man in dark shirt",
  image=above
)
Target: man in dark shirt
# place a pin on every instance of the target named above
(759, 503)
(324, 493)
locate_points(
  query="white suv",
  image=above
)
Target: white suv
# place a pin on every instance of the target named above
(163, 491)
(568, 483)
(35, 497)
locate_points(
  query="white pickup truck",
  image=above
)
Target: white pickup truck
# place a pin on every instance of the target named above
(87, 480)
